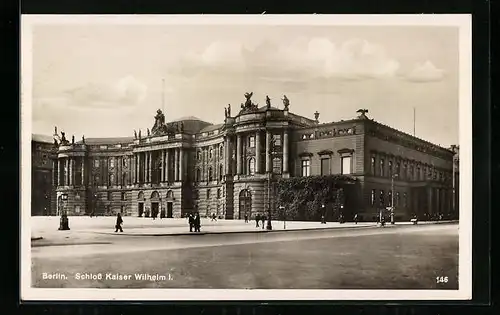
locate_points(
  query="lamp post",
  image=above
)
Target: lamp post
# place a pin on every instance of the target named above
(269, 177)
(392, 197)
(323, 214)
(282, 209)
(64, 222)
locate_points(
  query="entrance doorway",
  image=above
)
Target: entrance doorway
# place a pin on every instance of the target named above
(245, 203)
(141, 209)
(170, 209)
(155, 209)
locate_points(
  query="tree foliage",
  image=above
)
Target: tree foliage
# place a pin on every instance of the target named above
(302, 198)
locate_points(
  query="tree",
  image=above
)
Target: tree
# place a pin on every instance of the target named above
(303, 197)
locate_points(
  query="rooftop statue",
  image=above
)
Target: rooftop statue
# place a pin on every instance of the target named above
(286, 102)
(268, 101)
(228, 110)
(362, 113)
(159, 126)
(248, 101)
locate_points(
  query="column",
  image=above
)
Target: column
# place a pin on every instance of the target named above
(181, 164)
(268, 151)
(150, 166)
(176, 165)
(83, 171)
(257, 153)
(58, 179)
(54, 173)
(66, 174)
(227, 160)
(163, 176)
(285, 152)
(238, 154)
(136, 167)
(430, 200)
(167, 165)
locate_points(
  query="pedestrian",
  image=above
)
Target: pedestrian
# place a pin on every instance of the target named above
(263, 218)
(323, 221)
(197, 222)
(191, 222)
(356, 218)
(257, 219)
(214, 217)
(246, 218)
(382, 220)
(119, 222)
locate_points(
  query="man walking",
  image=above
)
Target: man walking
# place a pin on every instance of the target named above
(263, 218)
(119, 221)
(257, 219)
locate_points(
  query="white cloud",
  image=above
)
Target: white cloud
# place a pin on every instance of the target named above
(126, 92)
(304, 58)
(425, 72)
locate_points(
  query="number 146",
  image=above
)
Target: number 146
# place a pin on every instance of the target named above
(441, 279)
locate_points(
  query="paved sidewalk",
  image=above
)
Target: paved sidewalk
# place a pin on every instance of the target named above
(85, 230)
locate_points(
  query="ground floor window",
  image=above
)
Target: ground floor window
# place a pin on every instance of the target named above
(306, 167)
(346, 165)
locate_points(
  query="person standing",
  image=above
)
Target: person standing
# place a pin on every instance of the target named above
(246, 218)
(191, 222)
(356, 218)
(214, 217)
(119, 222)
(263, 218)
(257, 219)
(197, 222)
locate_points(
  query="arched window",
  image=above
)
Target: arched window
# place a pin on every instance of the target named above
(373, 165)
(221, 172)
(372, 201)
(210, 153)
(251, 166)
(221, 151)
(198, 175)
(210, 174)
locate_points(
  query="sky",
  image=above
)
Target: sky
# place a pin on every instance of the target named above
(109, 80)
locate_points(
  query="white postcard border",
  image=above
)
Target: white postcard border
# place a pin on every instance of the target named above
(463, 22)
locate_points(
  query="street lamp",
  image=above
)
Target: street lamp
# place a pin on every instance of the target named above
(269, 177)
(392, 197)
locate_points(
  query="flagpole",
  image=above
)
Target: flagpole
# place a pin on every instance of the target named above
(163, 94)
(414, 121)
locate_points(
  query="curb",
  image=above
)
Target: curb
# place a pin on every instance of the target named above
(70, 244)
(238, 232)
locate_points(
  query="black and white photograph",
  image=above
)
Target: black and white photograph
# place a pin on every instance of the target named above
(246, 157)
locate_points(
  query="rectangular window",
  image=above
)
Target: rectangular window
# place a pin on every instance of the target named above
(390, 169)
(77, 209)
(123, 196)
(277, 140)
(373, 164)
(405, 200)
(372, 197)
(306, 167)
(397, 199)
(382, 167)
(325, 166)
(277, 166)
(346, 165)
(382, 198)
(251, 142)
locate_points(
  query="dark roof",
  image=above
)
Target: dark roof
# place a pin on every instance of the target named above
(42, 138)
(211, 128)
(103, 141)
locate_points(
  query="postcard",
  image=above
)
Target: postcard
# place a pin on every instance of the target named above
(246, 157)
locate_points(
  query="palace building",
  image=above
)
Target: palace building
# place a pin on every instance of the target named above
(191, 165)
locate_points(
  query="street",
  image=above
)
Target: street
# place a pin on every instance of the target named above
(365, 257)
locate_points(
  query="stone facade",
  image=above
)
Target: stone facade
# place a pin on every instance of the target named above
(230, 169)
